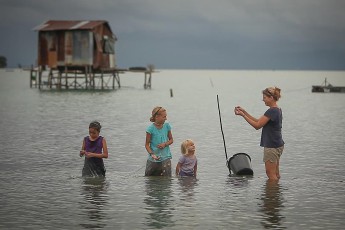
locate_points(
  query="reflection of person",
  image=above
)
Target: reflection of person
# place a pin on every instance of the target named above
(271, 205)
(187, 185)
(94, 192)
(271, 136)
(94, 149)
(187, 164)
(159, 202)
(158, 139)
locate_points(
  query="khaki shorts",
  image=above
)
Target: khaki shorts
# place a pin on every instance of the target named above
(273, 154)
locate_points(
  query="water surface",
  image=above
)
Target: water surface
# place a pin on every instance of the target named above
(42, 132)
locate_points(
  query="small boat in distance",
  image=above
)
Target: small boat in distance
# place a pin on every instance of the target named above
(326, 87)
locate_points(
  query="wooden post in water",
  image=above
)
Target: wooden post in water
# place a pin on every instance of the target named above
(31, 72)
(75, 79)
(50, 78)
(102, 79)
(66, 79)
(58, 77)
(86, 69)
(39, 77)
(33, 76)
(90, 78)
(93, 78)
(113, 83)
(117, 78)
(147, 83)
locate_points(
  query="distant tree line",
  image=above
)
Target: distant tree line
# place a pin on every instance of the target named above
(3, 62)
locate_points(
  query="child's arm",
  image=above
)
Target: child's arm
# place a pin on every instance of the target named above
(169, 142)
(195, 168)
(105, 149)
(171, 139)
(82, 151)
(178, 166)
(148, 148)
(97, 155)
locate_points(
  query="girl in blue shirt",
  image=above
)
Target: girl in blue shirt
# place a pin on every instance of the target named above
(271, 136)
(158, 139)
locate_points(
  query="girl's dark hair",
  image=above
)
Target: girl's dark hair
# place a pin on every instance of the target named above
(95, 125)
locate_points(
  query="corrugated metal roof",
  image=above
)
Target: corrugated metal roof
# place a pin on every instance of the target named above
(68, 25)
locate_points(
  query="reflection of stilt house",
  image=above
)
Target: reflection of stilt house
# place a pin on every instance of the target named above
(77, 55)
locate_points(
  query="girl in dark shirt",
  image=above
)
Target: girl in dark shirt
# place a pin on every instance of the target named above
(94, 149)
(271, 136)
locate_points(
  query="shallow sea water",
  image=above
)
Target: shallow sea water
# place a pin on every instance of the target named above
(42, 131)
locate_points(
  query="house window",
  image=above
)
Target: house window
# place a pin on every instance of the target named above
(108, 45)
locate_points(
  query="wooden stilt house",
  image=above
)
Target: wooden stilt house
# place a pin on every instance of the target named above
(76, 44)
(79, 55)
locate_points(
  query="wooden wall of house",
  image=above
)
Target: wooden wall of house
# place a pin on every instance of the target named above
(77, 48)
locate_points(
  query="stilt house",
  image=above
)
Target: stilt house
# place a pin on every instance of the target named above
(76, 45)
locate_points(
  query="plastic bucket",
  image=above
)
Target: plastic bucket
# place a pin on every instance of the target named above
(240, 164)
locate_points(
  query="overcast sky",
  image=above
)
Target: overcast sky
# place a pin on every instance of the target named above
(193, 34)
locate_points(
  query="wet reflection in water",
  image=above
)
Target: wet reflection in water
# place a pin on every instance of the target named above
(40, 179)
(159, 201)
(94, 191)
(187, 185)
(186, 203)
(271, 205)
(239, 181)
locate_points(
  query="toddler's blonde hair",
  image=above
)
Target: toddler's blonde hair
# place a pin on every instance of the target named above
(184, 144)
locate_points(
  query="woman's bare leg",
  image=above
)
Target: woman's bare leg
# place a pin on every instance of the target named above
(277, 170)
(271, 170)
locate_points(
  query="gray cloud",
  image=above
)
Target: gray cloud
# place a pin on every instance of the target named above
(264, 34)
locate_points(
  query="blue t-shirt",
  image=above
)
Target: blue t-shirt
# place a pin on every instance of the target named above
(159, 136)
(271, 136)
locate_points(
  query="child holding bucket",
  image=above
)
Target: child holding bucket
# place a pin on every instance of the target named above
(271, 136)
(94, 149)
(187, 164)
(158, 139)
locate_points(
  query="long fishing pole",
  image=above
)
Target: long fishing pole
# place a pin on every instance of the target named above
(221, 128)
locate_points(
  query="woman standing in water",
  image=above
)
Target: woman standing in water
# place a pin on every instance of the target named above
(271, 136)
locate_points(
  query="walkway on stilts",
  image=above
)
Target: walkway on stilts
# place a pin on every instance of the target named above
(85, 78)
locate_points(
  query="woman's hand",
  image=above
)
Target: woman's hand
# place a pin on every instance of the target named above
(239, 111)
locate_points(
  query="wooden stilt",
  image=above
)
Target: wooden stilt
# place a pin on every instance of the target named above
(72, 77)
(66, 79)
(102, 80)
(50, 78)
(31, 72)
(118, 79)
(147, 80)
(93, 79)
(39, 77)
(75, 79)
(113, 83)
(150, 79)
(86, 70)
